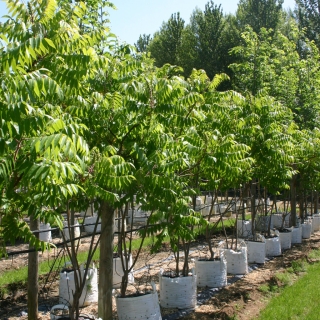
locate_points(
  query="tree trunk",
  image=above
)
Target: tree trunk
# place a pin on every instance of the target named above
(245, 200)
(33, 274)
(316, 202)
(253, 205)
(293, 198)
(106, 262)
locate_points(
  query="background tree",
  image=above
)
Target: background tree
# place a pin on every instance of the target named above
(143, 43)
(205, 42)
(208, 28)
(259, 14)
(166, 43)
(307, 15)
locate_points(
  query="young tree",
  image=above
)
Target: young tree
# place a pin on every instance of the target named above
(45, 62)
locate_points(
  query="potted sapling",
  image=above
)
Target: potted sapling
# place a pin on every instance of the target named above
(211, 268)
(178, 286)
(137, 304)
(285, 234)
(272, 239)
(78, 284)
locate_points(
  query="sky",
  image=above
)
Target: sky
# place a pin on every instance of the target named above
(135, 17)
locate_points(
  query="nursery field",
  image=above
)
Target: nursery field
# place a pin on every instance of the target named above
(242, 299)
(126, 158)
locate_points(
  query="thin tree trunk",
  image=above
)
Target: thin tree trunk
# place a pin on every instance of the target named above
(245, 200)
(253, 205)
(33, 274)
(301, 207)
(316, 202)
(106, 262)
(293, 196)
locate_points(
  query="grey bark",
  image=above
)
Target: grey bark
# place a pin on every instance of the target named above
(106, 262)
(33, 274)
(293, 199)
(316, 202)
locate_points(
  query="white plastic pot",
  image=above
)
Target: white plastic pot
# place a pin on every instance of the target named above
(66, 233)
(139, 307)
(316, 221)
(118, 272)
(209, 200)
(45, 235)
(199, 205)
(221, 208)
(277, 220)
(67, 287)
(92, 221)
(207, 207)
(178, 292)
(259, 203)
(312, 225)
(198, 201)
(285, 239)
(262, 223)
(137, 216)
(273, 247)
(237, 260)
(244, 228)
(296, 235)
(256, 251)
(238, 207)
(306, 230)
(116, 224)
(89, 212)
(59, 311)
(211, 273)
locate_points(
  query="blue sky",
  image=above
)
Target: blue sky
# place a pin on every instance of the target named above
(135, 17)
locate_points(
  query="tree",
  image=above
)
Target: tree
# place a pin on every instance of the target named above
(166, 43)
(206, 42)
(259, 14)
(307, 15)
(209, 26)
(45, 62)
(143, 43)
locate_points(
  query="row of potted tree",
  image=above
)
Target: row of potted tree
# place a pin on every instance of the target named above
(86, 118)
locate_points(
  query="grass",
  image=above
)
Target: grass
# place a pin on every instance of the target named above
(20, 275)
(298, 300)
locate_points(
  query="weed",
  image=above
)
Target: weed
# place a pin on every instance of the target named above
(314, 254)
(246, 296)
(285, 278)
(233, 317)
(3, 292)
(238, 307)
(298, 266)
(269, 288)
(264, 288)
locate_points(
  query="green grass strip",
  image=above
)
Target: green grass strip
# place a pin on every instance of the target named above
(299, 301)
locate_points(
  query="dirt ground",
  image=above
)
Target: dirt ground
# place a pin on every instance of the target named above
(242, 299)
